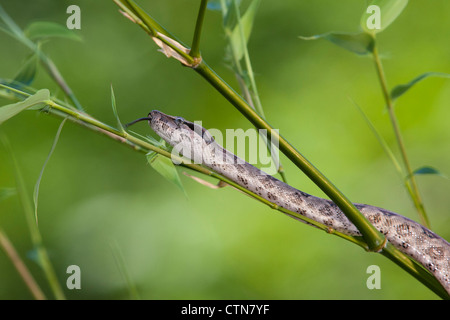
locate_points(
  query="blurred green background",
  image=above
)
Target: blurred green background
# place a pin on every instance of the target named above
(97, 197)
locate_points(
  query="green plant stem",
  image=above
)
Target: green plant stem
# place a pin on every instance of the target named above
(372, 236)
(144, 147)
(251, 76)
(409, 179)
(195, 48)
(46, 62)
(416, 270)
(35, 234)
(252, 95)
(139, 145)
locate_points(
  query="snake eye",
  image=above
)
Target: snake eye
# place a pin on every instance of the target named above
(179, 121)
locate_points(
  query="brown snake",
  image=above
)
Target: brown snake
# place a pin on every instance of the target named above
(408, 236)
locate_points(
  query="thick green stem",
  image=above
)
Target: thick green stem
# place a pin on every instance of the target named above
(372, 236)
(374, 239)
(141, 146)
(415, 270)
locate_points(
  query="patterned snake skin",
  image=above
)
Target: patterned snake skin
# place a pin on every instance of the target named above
(413, 239)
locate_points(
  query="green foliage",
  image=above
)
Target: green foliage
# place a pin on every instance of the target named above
(10, 110)
(401, 89)
(89, 205)
(246, 23)
(43, 30)
(5, 193)
(359, 43)
(114, 108)
(166, 168)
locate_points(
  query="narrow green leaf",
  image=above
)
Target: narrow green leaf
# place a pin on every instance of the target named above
(12, 28)
(246, 21)
(26, 74)
(121, 265)
(38, 182)
(113, 104)
(428, 170)
(11, 110)
(380, 139)
(380, 14)
(402, 88)
(5, 193)
(165, 167)
(44, 30)
(359, 43)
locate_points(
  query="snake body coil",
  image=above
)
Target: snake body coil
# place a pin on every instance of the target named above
(413, 239)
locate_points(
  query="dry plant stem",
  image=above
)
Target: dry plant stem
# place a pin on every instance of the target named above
(21, 267)
(36, 238)
(409, 180)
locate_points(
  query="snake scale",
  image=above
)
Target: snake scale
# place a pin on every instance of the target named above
(408, 236)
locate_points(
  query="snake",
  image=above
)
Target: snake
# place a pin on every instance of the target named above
(194, 142)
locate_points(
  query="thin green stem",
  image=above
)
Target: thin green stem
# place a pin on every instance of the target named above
(35, 234)
(252, 95)
(195, 48)
(46, 62)
(410, 180)
(248, 63)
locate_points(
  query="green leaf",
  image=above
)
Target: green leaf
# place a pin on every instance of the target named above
(359, 43)
(11, 110)
(113, 103)
(246, 23)
(428, 170)
(402, 88)
(377, 19)
(43, 30)
(27, 73)
(380, 139)
(38, 182)
(165, 167)
(6, 193)
(11, 27)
